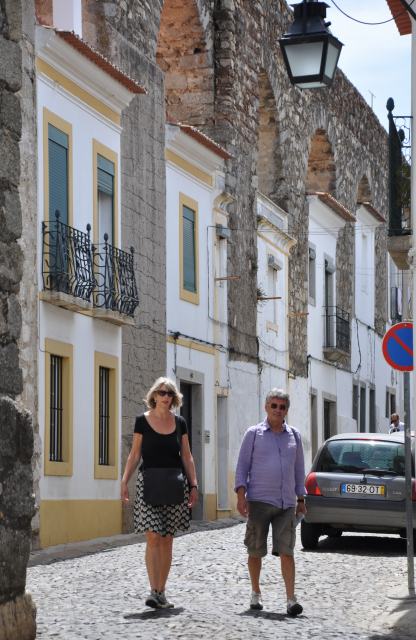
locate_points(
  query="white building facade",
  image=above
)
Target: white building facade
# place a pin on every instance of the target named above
(83, 302)
(196, 278)
(362, 398)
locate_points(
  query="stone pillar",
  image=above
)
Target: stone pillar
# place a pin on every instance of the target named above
(17, 613)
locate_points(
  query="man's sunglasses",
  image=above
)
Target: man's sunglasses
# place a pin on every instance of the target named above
(163, 393)
(278, 406)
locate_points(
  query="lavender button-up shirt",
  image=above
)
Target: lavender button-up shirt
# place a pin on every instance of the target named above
(271, 466)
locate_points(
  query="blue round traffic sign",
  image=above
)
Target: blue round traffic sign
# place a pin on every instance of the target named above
(398, 346)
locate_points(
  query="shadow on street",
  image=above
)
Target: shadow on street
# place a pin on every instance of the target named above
(268, 615)
(155, 613)
(404, 626)
(359, 545)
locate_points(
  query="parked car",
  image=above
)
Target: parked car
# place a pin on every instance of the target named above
(357, 483)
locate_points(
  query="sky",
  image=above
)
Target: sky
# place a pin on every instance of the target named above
(376, 59)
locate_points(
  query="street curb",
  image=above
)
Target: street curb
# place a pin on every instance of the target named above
(73, 550)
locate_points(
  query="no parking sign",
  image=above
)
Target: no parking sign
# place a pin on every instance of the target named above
(398, 346)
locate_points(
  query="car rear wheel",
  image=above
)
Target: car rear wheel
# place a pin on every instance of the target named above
(309, 535)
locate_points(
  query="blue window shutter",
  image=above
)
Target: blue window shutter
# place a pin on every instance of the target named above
(58, 143)
(105, 175)
(189, 262)
(105, 187)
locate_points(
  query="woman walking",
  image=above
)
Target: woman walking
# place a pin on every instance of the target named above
(161, 439)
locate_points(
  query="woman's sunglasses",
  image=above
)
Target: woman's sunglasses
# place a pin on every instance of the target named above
(163, 393)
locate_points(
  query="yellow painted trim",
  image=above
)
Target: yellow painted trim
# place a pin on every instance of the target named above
(66, 127)
(188, 296)
(260, 235)
(77, 91)
(190, 168)
(210, 506)
(190, 344)
(109, 154)
(107, 472)
(53, 347)
(223, 513)
(64, 521)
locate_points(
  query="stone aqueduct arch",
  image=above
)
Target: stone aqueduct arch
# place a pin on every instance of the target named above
(269, 152)
(187, 63)
(364, 191)
(269, 142)
(321, 172)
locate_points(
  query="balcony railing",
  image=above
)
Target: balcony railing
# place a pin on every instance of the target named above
(400, 161)
(67, 264)
(98, 274)
(114, 275)
(336, 332)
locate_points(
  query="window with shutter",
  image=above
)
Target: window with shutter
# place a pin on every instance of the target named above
(58, 147)
(189, 271)
(105, 196)
(188, 249)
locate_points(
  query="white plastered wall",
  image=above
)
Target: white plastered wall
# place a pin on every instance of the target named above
(86, 334)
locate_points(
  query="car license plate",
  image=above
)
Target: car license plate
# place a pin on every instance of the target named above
(366, 489)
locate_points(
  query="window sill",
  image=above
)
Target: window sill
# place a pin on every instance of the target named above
(58, 468)
(105, 472)
(189, 296)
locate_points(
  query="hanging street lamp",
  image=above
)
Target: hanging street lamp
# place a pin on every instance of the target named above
(310, 51)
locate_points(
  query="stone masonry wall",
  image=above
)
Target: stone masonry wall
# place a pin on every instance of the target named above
(246, 59)
(17, 613)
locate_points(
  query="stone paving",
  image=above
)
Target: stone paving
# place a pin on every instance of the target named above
(347, 589)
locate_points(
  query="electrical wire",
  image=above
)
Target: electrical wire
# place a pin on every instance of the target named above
(371, 23)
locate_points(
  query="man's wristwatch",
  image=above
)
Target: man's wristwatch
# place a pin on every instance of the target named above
(301, 499)
(193, 486)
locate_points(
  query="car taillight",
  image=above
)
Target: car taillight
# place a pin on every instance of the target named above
(311, 485)
(413, 490)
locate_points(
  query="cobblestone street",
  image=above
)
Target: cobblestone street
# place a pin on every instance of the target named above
(347, 589)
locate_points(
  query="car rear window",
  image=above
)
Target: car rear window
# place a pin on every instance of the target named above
(353, 455)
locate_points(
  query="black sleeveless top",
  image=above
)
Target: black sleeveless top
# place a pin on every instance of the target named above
(159, 449)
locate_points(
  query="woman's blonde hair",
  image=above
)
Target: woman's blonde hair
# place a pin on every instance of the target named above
(149, 400)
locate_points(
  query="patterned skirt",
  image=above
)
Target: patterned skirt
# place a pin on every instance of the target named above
(165, 520)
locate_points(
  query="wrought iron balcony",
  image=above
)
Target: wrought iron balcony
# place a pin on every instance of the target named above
(115, 287)
(399, 172)
(336, 333)
(67, 264)
(97, 276)
(400, 161)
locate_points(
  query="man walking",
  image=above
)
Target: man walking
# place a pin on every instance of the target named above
(270, 490)
(395, 423)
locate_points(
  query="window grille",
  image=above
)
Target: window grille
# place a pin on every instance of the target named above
(104, 416)
(56, 409)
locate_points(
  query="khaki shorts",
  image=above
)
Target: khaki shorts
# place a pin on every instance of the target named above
(260, 516)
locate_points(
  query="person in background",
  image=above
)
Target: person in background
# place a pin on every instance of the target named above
(161, 439)
(270, 490)
(395, 424)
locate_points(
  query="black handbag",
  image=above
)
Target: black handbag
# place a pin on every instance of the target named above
(163, 486)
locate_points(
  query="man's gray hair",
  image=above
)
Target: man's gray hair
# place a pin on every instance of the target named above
(278, 393)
